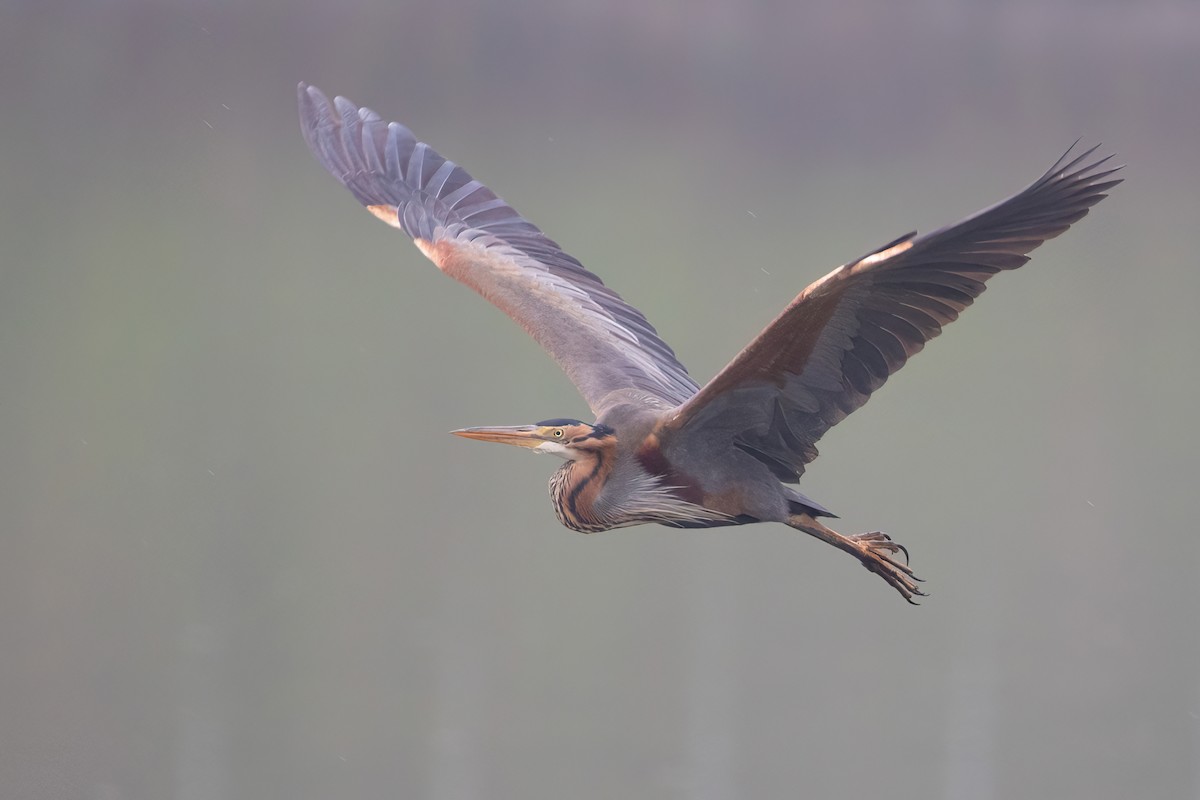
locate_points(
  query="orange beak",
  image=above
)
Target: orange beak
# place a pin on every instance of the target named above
(520, 435)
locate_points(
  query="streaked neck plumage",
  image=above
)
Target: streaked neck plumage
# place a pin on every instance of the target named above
(597, 490)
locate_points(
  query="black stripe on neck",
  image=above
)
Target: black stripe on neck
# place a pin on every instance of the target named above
(577, 489)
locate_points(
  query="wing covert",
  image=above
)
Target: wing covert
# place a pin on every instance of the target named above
(601, 342)
(844, 335)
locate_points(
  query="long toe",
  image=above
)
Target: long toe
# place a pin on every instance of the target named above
(874, 550)
(881, 541)
(875, 553)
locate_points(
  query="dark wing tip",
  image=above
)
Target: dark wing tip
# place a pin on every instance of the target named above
(315, 111)
(1070, 159)
(1074, 184)
(1079, 173)
(408, 184)
(371, 158)
(320, 125)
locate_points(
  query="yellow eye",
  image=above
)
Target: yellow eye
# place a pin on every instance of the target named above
(558, 433)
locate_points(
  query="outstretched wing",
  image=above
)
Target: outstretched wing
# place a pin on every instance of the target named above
(845, 334)
(473, 236)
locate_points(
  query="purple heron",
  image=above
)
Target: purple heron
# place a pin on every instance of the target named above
(664, 449)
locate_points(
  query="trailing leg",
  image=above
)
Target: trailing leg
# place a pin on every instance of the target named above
(874, 550)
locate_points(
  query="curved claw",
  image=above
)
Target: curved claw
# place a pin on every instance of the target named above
(875, 550)
(884, 542)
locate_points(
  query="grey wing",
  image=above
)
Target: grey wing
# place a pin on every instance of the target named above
(602, 343)
(845, 334)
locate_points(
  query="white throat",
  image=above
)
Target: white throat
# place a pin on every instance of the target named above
(557, 449)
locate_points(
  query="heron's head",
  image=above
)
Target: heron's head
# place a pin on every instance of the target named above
(565, 438)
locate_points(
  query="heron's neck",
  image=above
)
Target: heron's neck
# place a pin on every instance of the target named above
(595, 494)
(576, 488)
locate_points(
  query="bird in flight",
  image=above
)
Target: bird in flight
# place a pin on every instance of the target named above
(662, 448)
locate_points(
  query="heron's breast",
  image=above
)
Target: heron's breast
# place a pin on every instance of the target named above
(683, 485)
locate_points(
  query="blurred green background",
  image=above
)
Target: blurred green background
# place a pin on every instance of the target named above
(241, 558)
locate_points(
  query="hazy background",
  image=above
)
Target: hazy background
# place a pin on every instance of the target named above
(241, 558)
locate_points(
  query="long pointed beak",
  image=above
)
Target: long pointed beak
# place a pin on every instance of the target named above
(520, 435)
